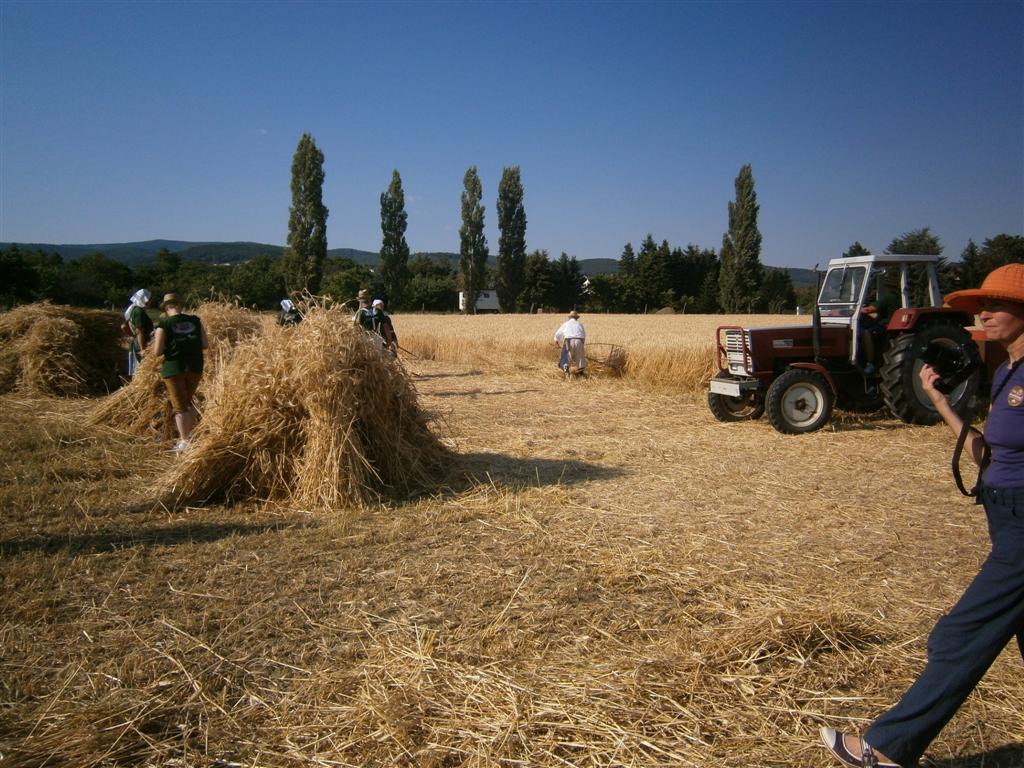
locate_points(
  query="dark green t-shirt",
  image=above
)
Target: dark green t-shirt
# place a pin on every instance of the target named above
(138, 319)
(183, 345)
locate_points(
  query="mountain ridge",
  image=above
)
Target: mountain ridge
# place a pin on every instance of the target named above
(134, 254)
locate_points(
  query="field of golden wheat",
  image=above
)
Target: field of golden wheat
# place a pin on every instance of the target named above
(668, 351)
(603, 574)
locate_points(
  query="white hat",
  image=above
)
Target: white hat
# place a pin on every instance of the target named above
(378, 303)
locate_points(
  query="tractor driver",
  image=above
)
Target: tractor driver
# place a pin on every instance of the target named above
(874, 319)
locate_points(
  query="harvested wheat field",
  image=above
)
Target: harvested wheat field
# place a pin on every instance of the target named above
(604, 575)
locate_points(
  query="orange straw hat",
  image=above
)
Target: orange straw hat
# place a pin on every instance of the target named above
(1006, 283)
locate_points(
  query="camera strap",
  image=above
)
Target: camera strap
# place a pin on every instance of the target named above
(986, 455)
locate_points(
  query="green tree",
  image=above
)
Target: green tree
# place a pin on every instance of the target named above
(568, 283)
(923, 242)
(257, 282)
(628, 281)
(432, 285)
(512, 239)
(856, 250)
(741, 272)
(96, 281)
(394, 251)
(304, 257)
(472, 242)
(540, 282)
(21, 281)
(777, 294)
(652, 274)
(688, 270)
(976, 263)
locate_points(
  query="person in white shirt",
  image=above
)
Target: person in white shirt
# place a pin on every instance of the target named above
(570, 336)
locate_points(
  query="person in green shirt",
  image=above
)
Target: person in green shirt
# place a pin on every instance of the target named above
(874, 319)
(363, 316)
(181, 339)
(139, 328)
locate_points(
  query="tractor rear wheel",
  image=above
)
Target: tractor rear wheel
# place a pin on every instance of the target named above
(799, 401)
(901, 385)
(747, 407)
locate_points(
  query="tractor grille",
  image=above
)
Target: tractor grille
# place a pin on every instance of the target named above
(739, 364)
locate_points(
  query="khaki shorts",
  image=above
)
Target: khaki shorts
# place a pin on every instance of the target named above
(181, 388)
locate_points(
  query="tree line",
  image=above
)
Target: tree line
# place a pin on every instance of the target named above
(687, 279)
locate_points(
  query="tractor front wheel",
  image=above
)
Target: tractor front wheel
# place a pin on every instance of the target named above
(746, 407)
(799, 401)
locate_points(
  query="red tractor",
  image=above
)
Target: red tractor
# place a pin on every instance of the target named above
(863, 350)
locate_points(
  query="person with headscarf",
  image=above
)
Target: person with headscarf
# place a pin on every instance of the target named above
(383, 326)
(289, 314)
(570, 336)
(139, 327)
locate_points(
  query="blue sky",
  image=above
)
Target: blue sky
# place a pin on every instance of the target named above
(862, 121)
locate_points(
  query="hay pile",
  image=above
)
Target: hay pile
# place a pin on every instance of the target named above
(46, 349)
(141, 406)
(313, 415)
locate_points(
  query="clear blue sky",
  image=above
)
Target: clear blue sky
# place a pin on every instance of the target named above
(133, 121)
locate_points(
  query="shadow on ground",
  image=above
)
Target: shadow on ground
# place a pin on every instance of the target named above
(1010, 756)
(500, 469)
(475, 392)
(109, 541)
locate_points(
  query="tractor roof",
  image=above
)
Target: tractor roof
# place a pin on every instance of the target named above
(887, 258)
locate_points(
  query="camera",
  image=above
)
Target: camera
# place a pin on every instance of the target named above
(953, 362)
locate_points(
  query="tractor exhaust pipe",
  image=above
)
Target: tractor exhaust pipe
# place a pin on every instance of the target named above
(816, 317)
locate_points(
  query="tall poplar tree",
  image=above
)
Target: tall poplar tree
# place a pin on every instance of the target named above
(512, 241)
(303, 260)
(394, 250)
(741, 273)
(472, 242)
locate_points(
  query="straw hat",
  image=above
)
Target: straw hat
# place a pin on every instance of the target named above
(574, 315)
(363, 295)
(1006, 283)
(170, 298)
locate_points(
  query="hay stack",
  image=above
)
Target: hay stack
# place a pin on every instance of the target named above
(313, 415)
(46, 349)
(141, 406)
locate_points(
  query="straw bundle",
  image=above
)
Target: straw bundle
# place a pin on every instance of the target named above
(141, 406)
(314, 415)
(47, 349)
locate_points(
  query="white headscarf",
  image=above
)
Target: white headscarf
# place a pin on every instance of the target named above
(286, 305)
(139, 299)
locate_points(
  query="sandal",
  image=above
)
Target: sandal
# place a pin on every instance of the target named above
(837, 746)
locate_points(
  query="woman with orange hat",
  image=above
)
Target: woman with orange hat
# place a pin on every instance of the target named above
(965, 642)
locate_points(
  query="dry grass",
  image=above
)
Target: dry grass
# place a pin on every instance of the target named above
(46, 349)
(313, 415)
(666, 352)
(613, 578)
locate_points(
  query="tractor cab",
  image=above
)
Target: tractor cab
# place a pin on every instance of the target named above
(880, 284)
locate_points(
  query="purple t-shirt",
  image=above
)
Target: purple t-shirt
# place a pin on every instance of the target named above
(1004, 429)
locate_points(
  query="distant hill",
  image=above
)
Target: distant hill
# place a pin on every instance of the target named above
(136, 254)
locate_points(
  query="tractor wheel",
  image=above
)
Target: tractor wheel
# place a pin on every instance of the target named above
(799, 401)
(744, 408)
(901, 385)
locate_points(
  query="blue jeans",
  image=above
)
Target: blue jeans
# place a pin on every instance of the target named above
(964, 642)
